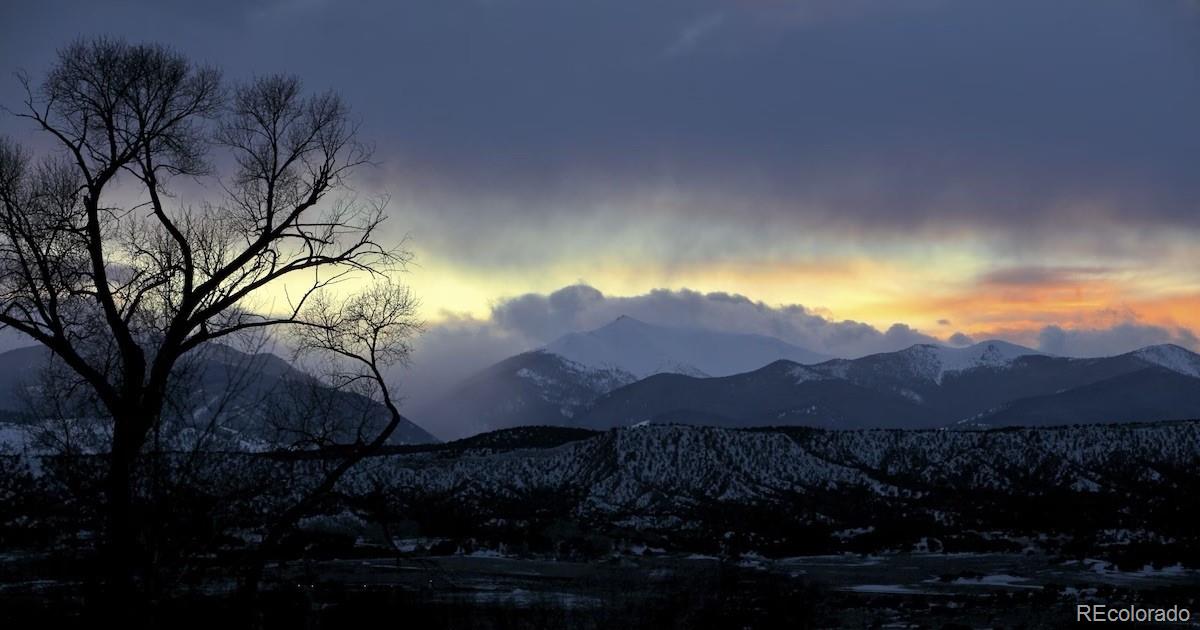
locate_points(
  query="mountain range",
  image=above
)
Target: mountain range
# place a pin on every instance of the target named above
(630, 372)
(993, 383)
(555, 383)
(257, 400)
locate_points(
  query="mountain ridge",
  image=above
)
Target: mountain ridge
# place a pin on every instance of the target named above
(556, 382)
(922, 386)
(255, 396)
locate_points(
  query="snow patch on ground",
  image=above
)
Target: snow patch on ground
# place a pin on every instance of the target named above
(885, 589)
(804, 374)
(999, 579)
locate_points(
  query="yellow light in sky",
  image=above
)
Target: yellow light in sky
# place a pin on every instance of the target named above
(922, 289)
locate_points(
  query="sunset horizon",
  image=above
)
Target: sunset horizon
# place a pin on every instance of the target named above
(599, 314)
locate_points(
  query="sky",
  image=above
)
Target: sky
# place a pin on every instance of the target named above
(850, 175)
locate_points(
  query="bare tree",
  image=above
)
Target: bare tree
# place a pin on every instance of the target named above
(360, 337)
(101, 262)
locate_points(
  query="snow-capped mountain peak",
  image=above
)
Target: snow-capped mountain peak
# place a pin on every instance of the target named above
(1172, 357)
(934, 362)
(992, 353)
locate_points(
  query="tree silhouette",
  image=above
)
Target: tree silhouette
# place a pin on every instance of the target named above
(103, 263)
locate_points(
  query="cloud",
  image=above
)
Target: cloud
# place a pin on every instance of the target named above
(1117, 339)
(960, 339)
(859, 116)
(1036, 275)
(839, 120)
(542, 318)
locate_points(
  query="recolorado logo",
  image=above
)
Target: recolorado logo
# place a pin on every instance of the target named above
(1101, 613)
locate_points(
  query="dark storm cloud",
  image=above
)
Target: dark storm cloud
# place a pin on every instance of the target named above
(812, 114)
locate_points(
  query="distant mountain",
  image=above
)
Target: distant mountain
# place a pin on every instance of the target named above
(531, 388)
(993, 383)
(782, 393)
(641, 349)
(556, 383)
(1153, 393)
(258, 398)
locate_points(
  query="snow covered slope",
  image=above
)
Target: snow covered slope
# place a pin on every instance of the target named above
(1172, 357)
(936, 361)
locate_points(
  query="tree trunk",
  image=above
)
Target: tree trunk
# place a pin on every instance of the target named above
(125, 555)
